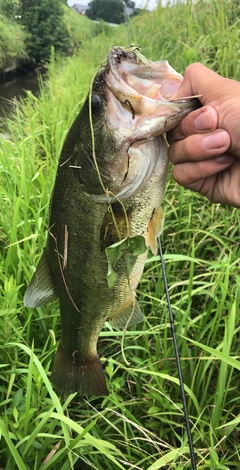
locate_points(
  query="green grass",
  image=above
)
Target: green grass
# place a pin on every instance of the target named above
(12, 47)
(140, 425)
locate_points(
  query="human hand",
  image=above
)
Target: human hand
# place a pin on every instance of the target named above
(205, 146)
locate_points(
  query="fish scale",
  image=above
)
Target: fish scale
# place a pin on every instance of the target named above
(107, 192)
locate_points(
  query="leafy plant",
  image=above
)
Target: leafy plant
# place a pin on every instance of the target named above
(44, 21)
(12, 44)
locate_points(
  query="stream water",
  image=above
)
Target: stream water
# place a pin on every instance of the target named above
(14, 86)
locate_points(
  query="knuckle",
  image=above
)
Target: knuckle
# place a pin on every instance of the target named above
(191, 69)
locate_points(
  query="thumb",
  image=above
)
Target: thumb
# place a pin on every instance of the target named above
(198, 81)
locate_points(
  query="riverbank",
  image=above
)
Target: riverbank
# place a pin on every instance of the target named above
(13, 40)
(13, 49)
(17, 75)
(16, 86)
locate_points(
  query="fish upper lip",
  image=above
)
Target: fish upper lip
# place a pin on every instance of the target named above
(115, 57)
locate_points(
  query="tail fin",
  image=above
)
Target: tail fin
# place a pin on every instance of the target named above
(70, 375)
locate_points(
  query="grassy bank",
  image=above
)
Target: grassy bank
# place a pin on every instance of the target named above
(140, 425)
(12, 47)
(13, 36)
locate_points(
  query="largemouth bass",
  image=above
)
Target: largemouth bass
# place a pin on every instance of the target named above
(109, 187)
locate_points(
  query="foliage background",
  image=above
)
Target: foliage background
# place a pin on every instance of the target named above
(112, 11)
(140, 425)
(29, 28)
(12, 44)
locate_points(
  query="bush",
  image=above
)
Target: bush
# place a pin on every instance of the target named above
(13, 48)
(44, 21)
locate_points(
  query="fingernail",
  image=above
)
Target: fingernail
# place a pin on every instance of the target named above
(216, 140)
(203, 121)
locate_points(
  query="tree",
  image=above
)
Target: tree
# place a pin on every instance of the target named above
(44, 21)
(9, 8)
(107, 10)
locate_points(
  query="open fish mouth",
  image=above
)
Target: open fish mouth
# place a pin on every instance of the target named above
(144, 88)
(139, 111)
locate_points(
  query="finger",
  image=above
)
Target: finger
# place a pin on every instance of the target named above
(199, 80)
(193, 174)
(200, 121)
(199, 147)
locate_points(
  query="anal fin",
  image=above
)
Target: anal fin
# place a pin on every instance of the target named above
(129, 316)
(41, 289)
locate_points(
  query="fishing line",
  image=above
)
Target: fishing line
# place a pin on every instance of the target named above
(186, 416)
(126, 20)
(128, 23)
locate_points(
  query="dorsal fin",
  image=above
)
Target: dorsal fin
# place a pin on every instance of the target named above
(41, 289)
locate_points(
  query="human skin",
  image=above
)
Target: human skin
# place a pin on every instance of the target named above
(205, 146)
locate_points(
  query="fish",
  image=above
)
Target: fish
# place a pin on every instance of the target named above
(107, 197)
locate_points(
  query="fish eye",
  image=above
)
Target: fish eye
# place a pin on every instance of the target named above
(96, 104)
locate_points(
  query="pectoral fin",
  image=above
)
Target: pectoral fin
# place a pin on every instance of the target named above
(41, 289)
(129, 316)
(155, 228)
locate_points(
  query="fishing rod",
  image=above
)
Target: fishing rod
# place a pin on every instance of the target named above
(185, 410)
